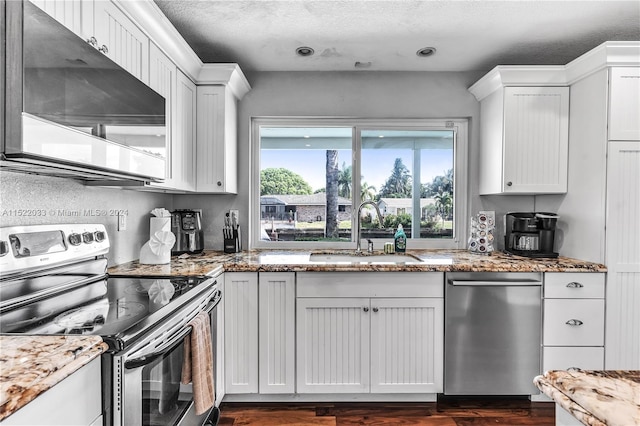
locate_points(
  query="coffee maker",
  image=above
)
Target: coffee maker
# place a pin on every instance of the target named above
(530, 234)
(186, 225)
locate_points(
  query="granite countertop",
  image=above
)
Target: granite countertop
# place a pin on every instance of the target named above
(29, 365)
(298, 261)
(595, 398)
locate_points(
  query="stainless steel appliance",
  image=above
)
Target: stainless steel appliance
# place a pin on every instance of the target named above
(530, 234)
(186, 225)
(492, 333)
(53, 281)
(72, 111)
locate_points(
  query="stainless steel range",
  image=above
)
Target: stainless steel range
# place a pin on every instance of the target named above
(53, 280)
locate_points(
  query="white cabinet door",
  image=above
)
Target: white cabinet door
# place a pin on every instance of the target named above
(623, 256)
(536, 140)
(241, 332)
(184, 155)
(407, 338)
(277, 298)
(216, 140)
(332, 345)
(565, 357)
(624, 104)
(573, 322)
(162, 79)
(126, 44)
(77, 15)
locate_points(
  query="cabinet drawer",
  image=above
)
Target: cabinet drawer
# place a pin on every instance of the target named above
(574, 285)
(370, 284)
(564, 357)
(573, 322)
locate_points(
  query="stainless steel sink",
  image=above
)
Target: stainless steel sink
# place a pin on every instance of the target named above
(354, 258)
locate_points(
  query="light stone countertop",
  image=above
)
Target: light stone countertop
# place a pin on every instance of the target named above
(298, 261)
(29, 365)
(595, 398)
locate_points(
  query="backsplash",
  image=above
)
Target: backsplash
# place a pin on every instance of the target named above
(34, 200)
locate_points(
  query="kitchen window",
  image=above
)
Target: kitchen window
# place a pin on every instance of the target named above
(309, 176)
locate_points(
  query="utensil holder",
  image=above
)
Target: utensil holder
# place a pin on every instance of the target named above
(233, 245)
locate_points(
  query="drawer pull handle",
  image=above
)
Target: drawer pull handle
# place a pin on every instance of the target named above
(574, 322)
(575, 285)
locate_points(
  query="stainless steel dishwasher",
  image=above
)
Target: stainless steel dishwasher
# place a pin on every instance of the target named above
(492, 333)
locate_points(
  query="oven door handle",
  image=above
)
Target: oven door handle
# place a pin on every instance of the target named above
(170, 344)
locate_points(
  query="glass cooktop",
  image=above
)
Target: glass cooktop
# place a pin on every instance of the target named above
(107, 307)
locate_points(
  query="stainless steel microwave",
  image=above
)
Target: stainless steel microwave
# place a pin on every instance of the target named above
(72, 111)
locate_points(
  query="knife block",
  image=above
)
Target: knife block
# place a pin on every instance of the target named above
(233, 245)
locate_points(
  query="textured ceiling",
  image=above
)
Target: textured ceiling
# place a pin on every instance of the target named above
(468, 35)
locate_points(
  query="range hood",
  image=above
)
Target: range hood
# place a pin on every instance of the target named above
(73, 112)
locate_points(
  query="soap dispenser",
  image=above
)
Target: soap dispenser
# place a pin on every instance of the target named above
(400, 240)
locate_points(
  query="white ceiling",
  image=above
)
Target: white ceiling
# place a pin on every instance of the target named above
(468, 35)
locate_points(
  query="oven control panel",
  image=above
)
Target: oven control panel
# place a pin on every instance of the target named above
(40, 246)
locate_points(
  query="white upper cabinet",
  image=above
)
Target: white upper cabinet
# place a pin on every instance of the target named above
(624, 104)
(184, 155)
(121, 40)
(524, 140)
(220, 87)
(216, 141)
(77, 15)
(162, 79)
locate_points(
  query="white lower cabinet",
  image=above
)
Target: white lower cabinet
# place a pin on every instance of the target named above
(277, 298)
(350, 343)
(241, 332)
(573, 321)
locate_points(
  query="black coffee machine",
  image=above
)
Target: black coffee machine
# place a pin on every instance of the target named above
(186, 225)
(530, 234)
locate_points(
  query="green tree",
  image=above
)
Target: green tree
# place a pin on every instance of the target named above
(367, 192)
(332, 175)
(441, 183)
(444, 204)
(344, 181)
(398, 185)
(282, 181)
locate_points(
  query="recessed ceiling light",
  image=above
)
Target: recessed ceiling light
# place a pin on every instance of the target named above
(306, 136)
(426, 51)
(304, 51)
(381, 136)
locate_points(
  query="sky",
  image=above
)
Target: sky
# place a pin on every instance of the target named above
(376, 165)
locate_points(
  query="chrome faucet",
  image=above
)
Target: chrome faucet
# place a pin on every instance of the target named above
(359, 226)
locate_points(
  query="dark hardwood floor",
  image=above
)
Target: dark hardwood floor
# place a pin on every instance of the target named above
(445, 412)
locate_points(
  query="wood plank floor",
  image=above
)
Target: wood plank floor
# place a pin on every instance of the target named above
(446, 412)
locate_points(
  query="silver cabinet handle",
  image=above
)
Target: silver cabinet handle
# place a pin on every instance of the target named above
(103, 49)
(574, 322)
(509, 183)
(375, 309)
(365, 309)
(575, 284)
(92, 41)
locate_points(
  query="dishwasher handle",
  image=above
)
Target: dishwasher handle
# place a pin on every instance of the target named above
(494, 283)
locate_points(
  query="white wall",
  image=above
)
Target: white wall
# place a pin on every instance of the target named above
(70, 201)
(370, 94)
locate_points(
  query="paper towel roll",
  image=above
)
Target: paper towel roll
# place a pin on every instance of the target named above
(159, 224)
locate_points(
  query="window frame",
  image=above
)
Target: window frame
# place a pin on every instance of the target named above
(461, 193)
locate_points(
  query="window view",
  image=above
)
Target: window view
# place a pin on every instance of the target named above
(313, 179)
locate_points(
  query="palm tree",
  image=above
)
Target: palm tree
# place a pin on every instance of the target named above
(444, 204)
(332, 172)
(367, 192)
(344, 181)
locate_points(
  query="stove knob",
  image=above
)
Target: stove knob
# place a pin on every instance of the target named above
(75, 239)
(87, 237)
(99, 236)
